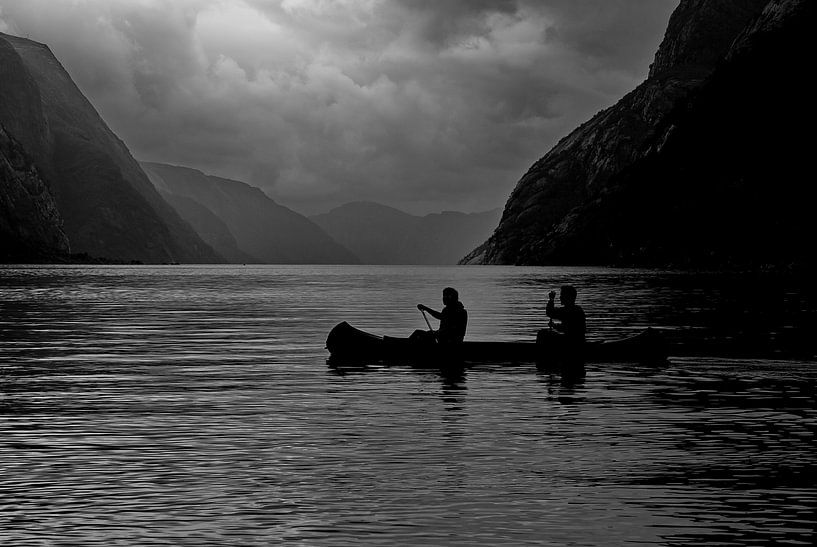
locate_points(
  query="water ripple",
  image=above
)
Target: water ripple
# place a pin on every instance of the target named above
(194, 406)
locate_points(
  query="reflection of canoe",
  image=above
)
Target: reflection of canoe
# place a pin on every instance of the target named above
(347, 342)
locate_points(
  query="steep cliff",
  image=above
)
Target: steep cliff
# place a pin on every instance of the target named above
(30, 225)
(699, 165)
(378, 234)
(108, 205)
(261, 229)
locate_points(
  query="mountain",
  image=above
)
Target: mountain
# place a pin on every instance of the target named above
(242, 222)
(107, 205)
(378, 234)
(208, 225)
(703, 164)
(30, 224)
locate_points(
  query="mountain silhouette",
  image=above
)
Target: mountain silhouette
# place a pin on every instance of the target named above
(379, 234)
(704, 164)
(242, 222)
(107, 205)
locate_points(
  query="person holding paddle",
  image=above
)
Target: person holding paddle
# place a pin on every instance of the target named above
(563, 340)
(570, 316)
(453, 320)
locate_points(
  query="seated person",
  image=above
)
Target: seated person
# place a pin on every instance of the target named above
(571, 325)
(453, 320)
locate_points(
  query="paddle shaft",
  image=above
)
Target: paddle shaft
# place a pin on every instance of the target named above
(426, 318)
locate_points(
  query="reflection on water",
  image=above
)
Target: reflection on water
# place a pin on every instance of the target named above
(194, 406)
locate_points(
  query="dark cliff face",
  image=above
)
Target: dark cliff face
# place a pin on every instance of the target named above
(30, 225)
(700, 32)
(378, 234)
(109, 207)
(257, 228)
(21, 107)
(672, 174)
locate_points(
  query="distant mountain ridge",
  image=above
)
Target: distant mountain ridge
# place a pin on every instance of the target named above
(704, 164)
(241, 222)
(105, 204)
(379, 234)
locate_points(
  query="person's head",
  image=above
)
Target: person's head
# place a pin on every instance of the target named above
(567, 295)
(450, 296)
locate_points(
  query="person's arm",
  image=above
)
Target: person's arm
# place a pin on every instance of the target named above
(434, 314)
(551, 310)
(555, 313)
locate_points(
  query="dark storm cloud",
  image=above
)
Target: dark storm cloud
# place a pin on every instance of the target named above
(440, 23)
(422, 104)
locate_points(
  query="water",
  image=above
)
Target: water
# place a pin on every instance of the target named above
(194, 406)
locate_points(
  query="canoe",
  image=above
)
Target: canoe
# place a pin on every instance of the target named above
(347, 342)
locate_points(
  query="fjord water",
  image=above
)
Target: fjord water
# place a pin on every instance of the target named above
(193, 405)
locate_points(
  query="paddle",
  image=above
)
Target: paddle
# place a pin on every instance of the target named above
(429, 325)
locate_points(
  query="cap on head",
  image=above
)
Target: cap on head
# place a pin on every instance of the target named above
(451, 293)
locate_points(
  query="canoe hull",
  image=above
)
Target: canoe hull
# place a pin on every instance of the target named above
(347, 342)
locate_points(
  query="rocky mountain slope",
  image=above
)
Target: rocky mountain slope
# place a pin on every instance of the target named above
(108, 206)
(241, 222)
(702, 165)
(31, 227)
(30, 224)
(378, 234)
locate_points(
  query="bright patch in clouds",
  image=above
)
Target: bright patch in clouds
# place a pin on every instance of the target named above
(421, 104)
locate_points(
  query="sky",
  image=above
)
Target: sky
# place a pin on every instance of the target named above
(424, 105)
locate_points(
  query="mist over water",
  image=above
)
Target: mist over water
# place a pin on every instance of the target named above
(189, 405)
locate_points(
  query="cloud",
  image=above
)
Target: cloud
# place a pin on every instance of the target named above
(421, 104)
